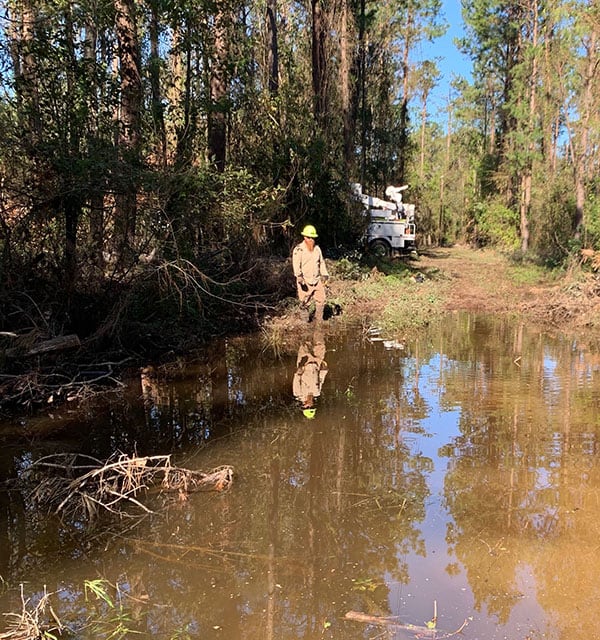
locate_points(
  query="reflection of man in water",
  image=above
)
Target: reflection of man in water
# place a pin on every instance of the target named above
(311, 370)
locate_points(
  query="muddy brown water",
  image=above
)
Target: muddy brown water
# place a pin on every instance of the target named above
(458, 473)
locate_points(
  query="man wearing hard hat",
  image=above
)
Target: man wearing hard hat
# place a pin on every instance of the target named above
(310, 272)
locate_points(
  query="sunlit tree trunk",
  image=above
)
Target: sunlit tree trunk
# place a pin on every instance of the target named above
(581, 153)
(526, 178)
(21, 30)
(405, 69)
(319, 59)
(217, 128)
(426, 79)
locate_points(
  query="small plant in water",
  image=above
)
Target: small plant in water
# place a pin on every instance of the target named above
(116, 622)
(365, 584)
(98, 588)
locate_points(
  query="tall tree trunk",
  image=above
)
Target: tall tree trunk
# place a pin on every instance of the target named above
(526, 179)
(425, 96)
(128, 141)
(22, 33)
(319, 60)
(96, 198)
(71, 201)
(403, 138)
(154, 72)
(345, 85)
(362, 82)
(217, 128)
(581, 156)
(272, 48)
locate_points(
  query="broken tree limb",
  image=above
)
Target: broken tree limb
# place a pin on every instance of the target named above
(394, 621)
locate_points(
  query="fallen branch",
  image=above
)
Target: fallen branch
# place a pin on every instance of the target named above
(394, 621)
(59, 343)
(82, 486)
(37, 387)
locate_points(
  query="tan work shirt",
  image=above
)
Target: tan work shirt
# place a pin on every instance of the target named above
(307, 264)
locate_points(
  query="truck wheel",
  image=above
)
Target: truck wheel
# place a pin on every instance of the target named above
(380, 249)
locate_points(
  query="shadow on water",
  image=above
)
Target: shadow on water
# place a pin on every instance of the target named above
(457, 474)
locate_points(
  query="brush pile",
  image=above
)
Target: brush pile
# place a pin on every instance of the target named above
(77, 486)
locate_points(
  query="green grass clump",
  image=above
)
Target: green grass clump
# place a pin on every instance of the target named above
(528, 274)
(411, 306)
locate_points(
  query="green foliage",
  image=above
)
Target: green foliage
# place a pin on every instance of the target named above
(527, 273)
(99, 589)
(552, 216)
(495, 225)
(592, 222)
(115, 621)
(347, 269)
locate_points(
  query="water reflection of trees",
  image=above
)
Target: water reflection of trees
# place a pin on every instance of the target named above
(524, 480)
(324, 512)
(320, 515)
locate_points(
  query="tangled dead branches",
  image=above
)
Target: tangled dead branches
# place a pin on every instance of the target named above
(31, 623)
(79, 486)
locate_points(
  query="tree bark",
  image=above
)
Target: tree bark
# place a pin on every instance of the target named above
(128, 141)
(319, 60)
(217, 129)
(345, 85)
(526, 179)
(272, 48)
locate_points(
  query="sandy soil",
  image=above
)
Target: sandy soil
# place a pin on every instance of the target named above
(486, 281)
(479, 281)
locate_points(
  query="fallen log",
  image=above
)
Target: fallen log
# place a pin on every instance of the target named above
(394, 621)
(59, 343)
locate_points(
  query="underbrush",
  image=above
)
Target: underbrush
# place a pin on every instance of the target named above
(59, 344)
(394, 295)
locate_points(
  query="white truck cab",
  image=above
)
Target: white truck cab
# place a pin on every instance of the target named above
(391, 226)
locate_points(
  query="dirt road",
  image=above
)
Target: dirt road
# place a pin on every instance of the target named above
(487, 281)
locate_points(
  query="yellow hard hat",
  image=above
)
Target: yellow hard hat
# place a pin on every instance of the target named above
(309, 231)
(309, 413)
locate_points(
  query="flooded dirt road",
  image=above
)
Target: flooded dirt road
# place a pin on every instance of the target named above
(447, 481)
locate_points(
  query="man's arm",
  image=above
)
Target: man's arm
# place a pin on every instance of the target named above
(297, 262)
(322, 266)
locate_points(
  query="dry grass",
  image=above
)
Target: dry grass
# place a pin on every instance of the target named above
(33, 622)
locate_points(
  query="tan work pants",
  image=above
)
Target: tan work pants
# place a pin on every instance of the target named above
(312, 292)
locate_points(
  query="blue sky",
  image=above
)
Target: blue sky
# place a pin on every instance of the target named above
(449, 60)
